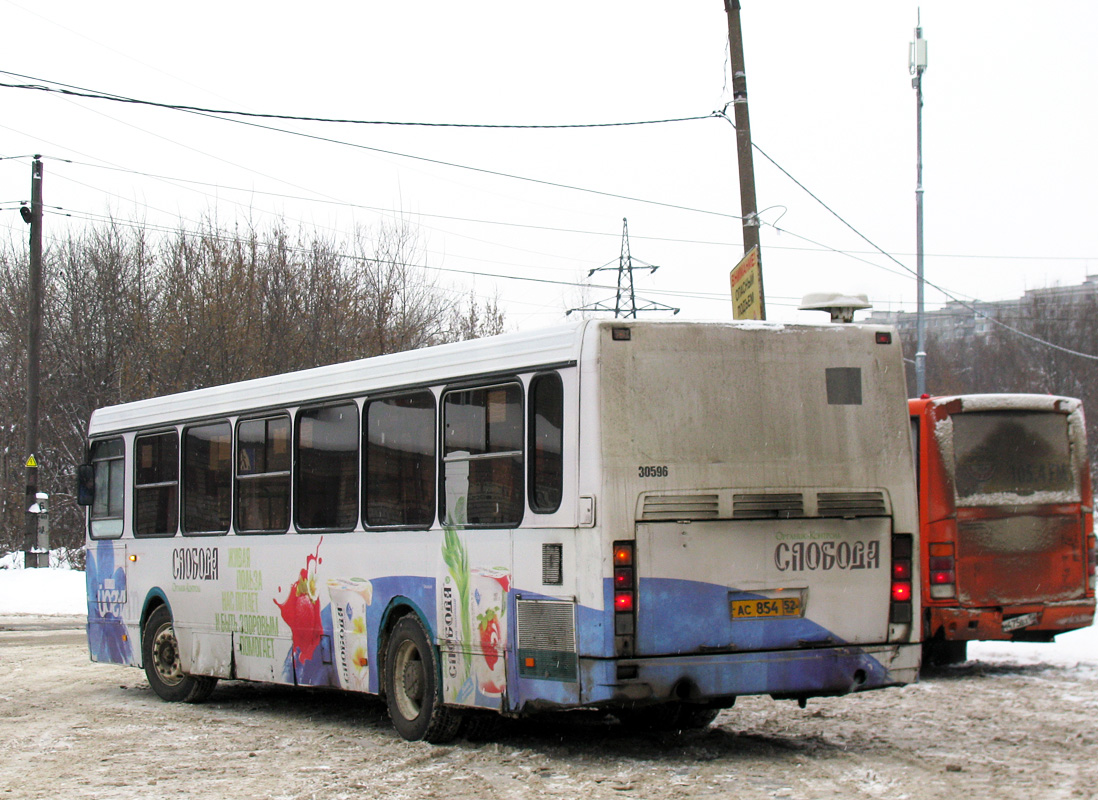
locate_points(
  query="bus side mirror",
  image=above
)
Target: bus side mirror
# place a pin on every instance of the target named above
(85, 485)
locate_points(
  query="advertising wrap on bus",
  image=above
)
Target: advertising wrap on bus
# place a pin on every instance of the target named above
(646, 518)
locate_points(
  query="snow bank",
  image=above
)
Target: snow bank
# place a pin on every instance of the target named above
(1069, 650)
(42, 591)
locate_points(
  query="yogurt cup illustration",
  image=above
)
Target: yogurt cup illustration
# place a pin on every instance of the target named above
(349, 598)
(489, 601)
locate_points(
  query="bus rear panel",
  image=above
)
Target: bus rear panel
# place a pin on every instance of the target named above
(760, 482)
(1008, 542)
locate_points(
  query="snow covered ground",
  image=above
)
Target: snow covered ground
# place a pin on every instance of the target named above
(61, 592)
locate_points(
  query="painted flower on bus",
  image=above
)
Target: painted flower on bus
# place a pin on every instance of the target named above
(107, 639)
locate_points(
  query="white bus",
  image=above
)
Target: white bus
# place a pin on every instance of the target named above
(650, 518)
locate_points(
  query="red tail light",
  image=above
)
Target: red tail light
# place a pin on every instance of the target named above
(943, 570)
(625, 598)
(902, 590)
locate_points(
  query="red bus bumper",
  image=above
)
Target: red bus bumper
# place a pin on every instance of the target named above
(1023, 622)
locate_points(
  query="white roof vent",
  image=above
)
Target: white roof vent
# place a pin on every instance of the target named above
(840, 306)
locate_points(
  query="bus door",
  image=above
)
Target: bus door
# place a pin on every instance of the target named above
(728, 585)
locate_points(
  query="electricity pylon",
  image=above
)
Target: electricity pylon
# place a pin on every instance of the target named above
(625, 302)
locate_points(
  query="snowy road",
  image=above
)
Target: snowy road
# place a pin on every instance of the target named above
(988, 729)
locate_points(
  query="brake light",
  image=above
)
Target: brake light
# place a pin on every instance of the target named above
(943, 570)
(625, 600)
(902, 589)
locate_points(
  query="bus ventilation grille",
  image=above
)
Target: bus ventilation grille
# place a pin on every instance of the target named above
(547, 640)
(552, 566)
(851, 504)
(767, 506)
(681, 506)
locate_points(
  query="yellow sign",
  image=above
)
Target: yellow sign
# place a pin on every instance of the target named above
(747, 287)
(31, 462)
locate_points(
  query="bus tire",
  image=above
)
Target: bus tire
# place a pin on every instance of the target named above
(412, 688)
(941, 653)
(160, 654)
(695, 718)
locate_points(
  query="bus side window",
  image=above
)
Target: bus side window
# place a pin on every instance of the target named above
(482, 456)
(156, 485)
(546, 443)
(399, 455)
(108, 459)
(326, 485)
(207, 478)
(263, 475)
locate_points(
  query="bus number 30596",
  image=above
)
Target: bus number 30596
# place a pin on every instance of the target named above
(652, 472)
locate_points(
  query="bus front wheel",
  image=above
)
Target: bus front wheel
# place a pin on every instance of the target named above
(412, 690)
(160, 653)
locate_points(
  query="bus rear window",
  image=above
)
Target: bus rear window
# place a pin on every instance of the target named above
(1004, 457)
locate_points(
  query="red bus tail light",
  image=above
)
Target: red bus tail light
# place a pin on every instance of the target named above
(943, 570)
(899, 611)
(625, 598)
(623, 601)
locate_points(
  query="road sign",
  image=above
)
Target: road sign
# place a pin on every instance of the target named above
(747, 287)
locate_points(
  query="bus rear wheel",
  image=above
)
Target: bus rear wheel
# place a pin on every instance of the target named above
(412, 690)
(160, 654)
(941, 653)
(671, 716)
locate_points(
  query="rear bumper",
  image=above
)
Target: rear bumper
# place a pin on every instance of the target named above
(970, 624)
(716, 677)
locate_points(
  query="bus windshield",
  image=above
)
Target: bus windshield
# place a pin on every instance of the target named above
(1005, 457)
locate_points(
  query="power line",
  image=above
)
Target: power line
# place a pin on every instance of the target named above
(903, 266)
(77, 91)
(453, 165)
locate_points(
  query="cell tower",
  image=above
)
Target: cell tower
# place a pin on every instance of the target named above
(625, 302)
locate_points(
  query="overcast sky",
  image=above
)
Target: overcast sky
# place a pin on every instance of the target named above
(1010, 166)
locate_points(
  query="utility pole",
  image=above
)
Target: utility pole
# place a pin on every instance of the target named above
(625, 301)
(917, 66)
(743, 141)
(32, 558)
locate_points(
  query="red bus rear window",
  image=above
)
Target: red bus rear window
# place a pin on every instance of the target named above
(1003, 457)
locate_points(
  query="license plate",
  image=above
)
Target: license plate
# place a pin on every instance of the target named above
(1023, 621)
(764, 607)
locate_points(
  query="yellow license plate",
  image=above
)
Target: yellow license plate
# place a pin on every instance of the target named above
(763, 607)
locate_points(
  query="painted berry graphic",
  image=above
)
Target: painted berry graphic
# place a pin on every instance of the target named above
(488, 623)
(301, 610)
(490, 586)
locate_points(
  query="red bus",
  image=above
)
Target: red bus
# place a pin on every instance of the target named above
(1005, 509)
